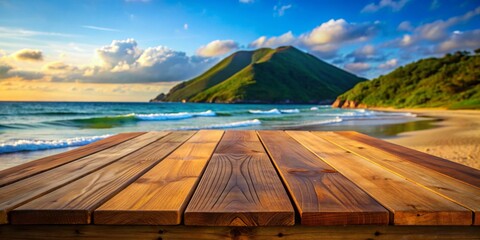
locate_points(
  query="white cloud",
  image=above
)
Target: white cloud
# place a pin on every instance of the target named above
(121, 62)
(273, 42)
(366, 53)
(327, 38)
(119, 51)
(460, 41)
(217, 47)
(437, 30)
(185, 26)
(279, 10)
(358, 67)
(246, 1)
(100, 28)
(392, 4)
(406, 40)
(7, 32)
(338, 31)
(389, 64)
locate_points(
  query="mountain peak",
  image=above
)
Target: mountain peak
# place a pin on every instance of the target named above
(282, 75)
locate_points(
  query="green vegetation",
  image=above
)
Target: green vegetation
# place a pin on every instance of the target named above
(449, 82)
(282, 75)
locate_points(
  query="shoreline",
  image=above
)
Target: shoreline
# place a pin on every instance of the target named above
(456, 137)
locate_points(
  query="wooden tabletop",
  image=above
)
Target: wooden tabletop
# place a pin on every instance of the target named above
(241, 178)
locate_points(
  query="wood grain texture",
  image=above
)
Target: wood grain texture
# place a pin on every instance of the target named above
(20, 192)
(410, 203)
(240, 188)
(240, 142)
(453, 189)
(322, 195)
(75, 202)
(31, 168)
(160, 196)
(298, 232)
(444, 166)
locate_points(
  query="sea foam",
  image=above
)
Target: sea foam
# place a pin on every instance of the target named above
(238, 124)
(289, 111)
(20, 145)
(271, 111)
(172, 116)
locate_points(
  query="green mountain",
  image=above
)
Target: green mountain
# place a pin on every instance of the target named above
(452, 81)
(282, 75)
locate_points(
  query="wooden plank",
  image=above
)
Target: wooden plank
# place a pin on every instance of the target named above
(444, 166)
(95, 232)
(31, 168)
(322, 195)
(160, 196)
(75, 202)
(240, 188)
(410, 203)
(451, 188)
(241, 142)
(20, 192)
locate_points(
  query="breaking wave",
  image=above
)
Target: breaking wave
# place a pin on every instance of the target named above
(20, 145)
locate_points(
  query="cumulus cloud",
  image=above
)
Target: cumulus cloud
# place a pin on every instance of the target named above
(359, 67)
(29, 55)
(389, 64)
(121, 62)
(217, 47)
(273, 42)
(119, 51)
(279, 10)
(327, 38)
(392, 4)
(339, 31)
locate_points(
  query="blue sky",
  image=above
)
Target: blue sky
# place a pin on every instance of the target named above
(149, 45)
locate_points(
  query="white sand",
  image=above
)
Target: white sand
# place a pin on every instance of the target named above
(457, 138)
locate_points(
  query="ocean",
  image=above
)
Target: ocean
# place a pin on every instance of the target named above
(30, 130)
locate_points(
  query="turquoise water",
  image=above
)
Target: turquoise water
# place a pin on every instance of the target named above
(37, 126)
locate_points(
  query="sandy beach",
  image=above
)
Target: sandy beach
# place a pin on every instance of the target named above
(456, 138)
